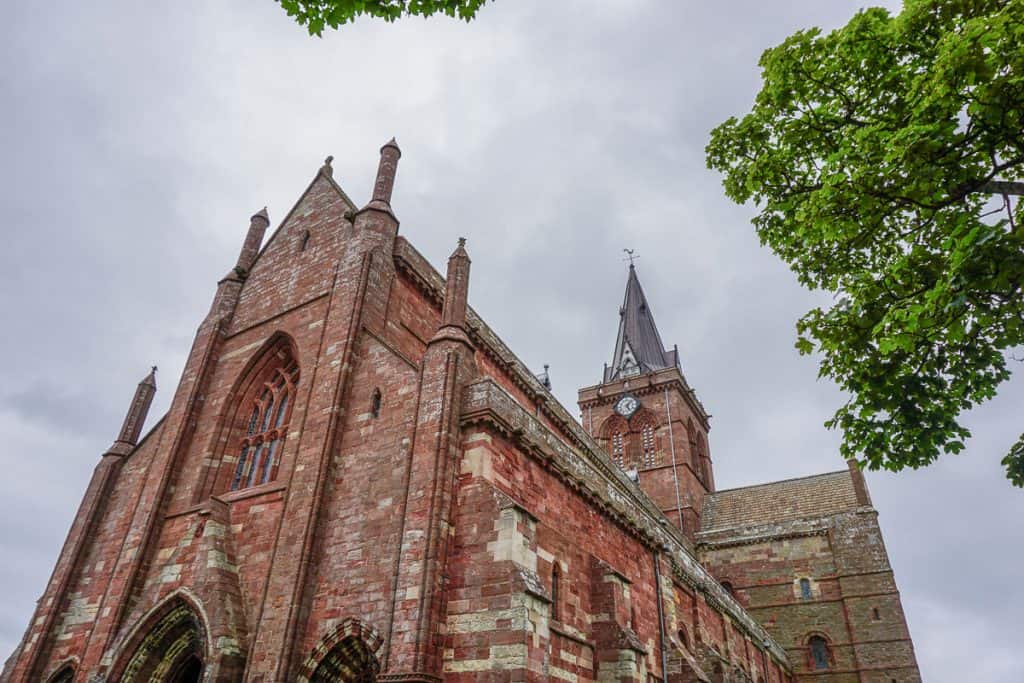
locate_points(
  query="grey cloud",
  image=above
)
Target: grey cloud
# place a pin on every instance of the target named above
(139, 137)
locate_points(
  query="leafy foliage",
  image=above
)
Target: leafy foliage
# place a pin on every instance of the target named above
(316, 15)
(871, 154)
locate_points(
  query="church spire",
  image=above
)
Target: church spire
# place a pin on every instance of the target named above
(638, 347)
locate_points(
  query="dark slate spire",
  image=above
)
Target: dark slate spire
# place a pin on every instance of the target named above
(638, 348)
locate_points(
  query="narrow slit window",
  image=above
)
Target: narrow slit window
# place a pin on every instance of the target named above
(555, 580)
(375, 403)
(805, 589)
(305, 241)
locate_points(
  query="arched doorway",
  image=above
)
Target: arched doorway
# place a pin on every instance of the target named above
(349, 661)
(173, 650)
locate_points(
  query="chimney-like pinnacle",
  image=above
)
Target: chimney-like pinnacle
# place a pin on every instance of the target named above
(456, 287)
(251, 246)
(385, 183)
(392, 143)
(135, 418)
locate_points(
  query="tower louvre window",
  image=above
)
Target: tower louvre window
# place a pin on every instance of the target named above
(618, 448)
(649, 455)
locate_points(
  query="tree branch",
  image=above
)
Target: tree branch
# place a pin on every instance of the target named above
(1002, 187)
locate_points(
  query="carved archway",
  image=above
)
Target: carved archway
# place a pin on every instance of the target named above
(170, 648)
(64, 674)
(347, 655)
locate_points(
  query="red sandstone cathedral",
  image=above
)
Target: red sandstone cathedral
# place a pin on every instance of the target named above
(358, 481)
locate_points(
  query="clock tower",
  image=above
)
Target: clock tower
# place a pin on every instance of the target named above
(647, 417)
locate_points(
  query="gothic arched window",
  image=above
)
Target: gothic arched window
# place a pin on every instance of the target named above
(267, 406)
(820, 658)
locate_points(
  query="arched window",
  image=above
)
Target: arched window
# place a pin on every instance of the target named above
(727, 585)
(683, 638)
(614, 432)
(820, 657)
(267, 401)
(875, 615)
(704, 464)
(305, 241)
(805, 589)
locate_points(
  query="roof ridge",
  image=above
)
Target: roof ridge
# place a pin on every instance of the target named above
(780, 481)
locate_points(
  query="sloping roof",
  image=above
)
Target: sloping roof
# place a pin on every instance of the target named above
(779, 501)
(638, 347)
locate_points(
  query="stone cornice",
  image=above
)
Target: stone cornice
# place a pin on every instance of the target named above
(641, 385)
(586, 469)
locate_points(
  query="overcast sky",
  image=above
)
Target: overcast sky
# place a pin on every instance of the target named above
(138, 138)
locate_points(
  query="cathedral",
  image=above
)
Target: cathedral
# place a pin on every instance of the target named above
(357, 480)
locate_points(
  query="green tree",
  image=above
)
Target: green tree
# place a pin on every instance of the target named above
(316, 15)
(884, 159)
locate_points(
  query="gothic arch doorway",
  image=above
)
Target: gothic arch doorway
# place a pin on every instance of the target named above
(172, 650)
(350, 661)
(345, 655)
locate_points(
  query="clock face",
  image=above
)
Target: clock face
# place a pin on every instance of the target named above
(626, 406)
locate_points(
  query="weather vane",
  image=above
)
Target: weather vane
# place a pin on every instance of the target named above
(630, 256)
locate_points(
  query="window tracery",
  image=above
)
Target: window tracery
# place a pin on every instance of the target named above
(259, 448)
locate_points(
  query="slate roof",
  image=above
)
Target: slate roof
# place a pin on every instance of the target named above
(638, 347)
(779, 501)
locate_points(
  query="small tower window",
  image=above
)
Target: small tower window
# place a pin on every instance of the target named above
(805, 589)
(875, 615)
(305, 241)
(819, 652)
(728, 588)
(375, 403)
